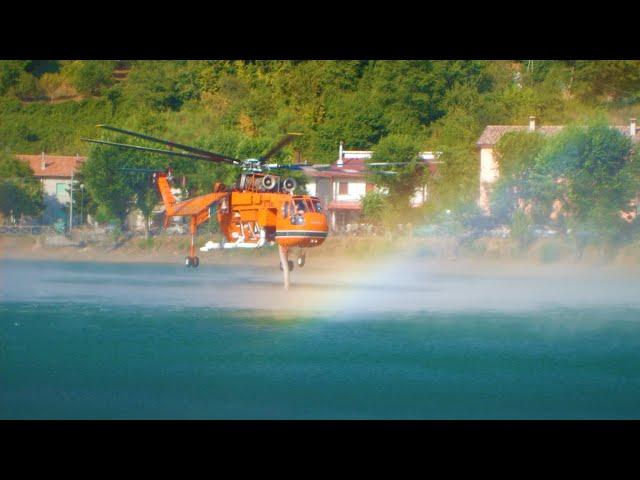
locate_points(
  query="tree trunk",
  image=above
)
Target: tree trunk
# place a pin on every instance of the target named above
(146, 228)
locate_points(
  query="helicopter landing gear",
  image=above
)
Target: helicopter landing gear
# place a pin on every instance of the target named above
(284, 260)
(192, 262)
(289, 263)
(302, 258)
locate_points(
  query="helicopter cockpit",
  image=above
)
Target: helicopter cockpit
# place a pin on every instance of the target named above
(300, 206)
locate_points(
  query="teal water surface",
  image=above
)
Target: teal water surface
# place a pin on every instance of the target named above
(70, 350)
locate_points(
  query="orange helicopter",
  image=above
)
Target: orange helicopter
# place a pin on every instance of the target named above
(259, 209)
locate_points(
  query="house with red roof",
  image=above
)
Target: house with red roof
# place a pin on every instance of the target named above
(489, 167)
(55, 172)
(341, 187)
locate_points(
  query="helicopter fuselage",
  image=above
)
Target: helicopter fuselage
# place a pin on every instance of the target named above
(251, 216)
(289, 220)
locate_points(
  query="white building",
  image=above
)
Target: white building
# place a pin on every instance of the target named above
(341, 187)
(489, 167)
(55, 172)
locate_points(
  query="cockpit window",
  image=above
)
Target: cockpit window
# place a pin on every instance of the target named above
(301, 207)
(316, 206)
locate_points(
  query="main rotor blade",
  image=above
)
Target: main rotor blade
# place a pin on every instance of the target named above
(320, 166)
(275, 166)
(140, 170)
(368, 164)
(280, 145)
(216, 157)
(145, 149)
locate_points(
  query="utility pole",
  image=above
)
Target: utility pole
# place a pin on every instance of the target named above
(71, 206)
(71, 202)
(81, 202)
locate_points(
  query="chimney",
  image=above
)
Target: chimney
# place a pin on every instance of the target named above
(532, 123)
(632, 127)
(340, 154)
(43, 164)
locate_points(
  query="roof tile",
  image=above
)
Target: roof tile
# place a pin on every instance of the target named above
(60, 166)
(493, 133)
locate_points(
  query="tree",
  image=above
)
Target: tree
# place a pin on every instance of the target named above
(27, 87)
(89, 76)
(355, 118)
(10, 71)
(373, 206)
(516, 152)
(107, 184)
(519, 181)
(50, 83)
(607, 79)
(156, 85)
(597, 174)
(146, 199)
(456, 183)
(401, 181)
(20, 192)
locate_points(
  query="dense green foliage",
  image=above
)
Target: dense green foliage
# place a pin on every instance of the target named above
(520, 182)
(240, 107)
(89, 77)
(398, 181)
(599, 176)
(20, 193)
(117, 191)
(592, 171)
(374, 206)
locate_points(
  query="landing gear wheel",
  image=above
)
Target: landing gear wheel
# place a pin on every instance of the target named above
(187, 262)
(195, 262)
(290, 264)
(301, 260)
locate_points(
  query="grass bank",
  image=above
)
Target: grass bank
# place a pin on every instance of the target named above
(172, 249)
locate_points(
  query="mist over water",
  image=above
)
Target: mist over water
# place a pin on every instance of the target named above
(394, 337)
(402, 283)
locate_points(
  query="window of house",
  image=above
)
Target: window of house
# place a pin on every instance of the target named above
(343, 188)
(61, 190)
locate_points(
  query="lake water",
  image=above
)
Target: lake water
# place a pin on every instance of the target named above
(399, 340)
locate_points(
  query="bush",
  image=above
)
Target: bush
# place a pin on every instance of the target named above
(10, 72)
(373, 206)
(50, 82)
(89, 76)
(27, 87)
(20, 193)
(146, 244)
(521, 228)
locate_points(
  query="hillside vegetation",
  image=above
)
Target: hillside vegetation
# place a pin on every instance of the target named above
(239, 108)
(224, 104)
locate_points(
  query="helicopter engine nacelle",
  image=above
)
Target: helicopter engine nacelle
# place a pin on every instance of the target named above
(268, 182)
(289, 185)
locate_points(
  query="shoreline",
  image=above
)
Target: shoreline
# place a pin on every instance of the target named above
(338, 253)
